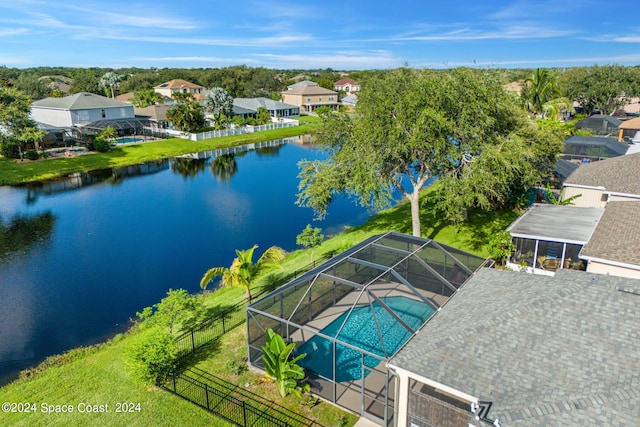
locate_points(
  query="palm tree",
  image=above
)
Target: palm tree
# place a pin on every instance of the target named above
(540, 89)
(243, 271)
(145, 97)
(110, 81)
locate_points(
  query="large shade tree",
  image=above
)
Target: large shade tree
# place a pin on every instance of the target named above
(243, 270)
(605, 88)
(413, 126)
(16, 127)
(186, 114)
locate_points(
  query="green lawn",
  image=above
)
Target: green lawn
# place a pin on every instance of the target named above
(16, 172)
(98, 375)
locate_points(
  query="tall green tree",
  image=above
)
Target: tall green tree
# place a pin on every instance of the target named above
(605, 88)
(16, 128)
(243, 270)
(186, 115)
(84, 81)
(412, 126)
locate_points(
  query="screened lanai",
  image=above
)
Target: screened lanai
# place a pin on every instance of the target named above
(354, 312)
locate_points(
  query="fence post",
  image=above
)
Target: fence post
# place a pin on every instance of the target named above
(206, 393)
(193, 342)
(224, 331)
(244, 414)
(173, 375)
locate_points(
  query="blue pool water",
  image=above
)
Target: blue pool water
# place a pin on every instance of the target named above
(128, 139)
(360, 331)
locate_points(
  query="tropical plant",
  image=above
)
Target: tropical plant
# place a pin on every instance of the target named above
(263, 116)
(110, 82)
(287, 374)
(186, 114)
(109, 133)
(243, 270)
(540, 88)
(146, 97)
(501, 246)
(551, 197)
(220, 104)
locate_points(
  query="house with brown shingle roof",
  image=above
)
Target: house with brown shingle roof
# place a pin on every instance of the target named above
(608, 180)
(171, 87)
(614, 247)
(348, 85)
(308, 98)
(630, 130)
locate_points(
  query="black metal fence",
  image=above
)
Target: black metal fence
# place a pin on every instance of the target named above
(232, 403)
(193, 339)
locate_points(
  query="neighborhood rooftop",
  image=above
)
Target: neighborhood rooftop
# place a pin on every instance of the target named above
(570, 224)
(544, 350)
(617, 237)
(617, 174)
(80, 101)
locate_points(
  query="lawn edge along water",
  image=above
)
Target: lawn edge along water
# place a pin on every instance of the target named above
(14, 172)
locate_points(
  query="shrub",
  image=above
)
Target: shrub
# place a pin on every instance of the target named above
(32, 154)
(153, 356)
(101, 145)
(500, 246)
(10, 150)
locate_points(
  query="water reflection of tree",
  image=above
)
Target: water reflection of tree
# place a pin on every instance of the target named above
(224, 167)
(187, 167)
(269, 151)
(21, 233)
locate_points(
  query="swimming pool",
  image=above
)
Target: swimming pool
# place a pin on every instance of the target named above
(129, 139)
(360, 331)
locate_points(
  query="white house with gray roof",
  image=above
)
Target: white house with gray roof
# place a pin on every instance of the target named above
(248, 107)
(79, 109)
(529, 350)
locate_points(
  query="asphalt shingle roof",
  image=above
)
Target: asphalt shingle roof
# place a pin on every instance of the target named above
(617, 237)
(310, 90)
(80, 101)
(617, 174)
(254, 103)
(545, 350)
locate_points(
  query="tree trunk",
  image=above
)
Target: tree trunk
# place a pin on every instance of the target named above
(414, 199)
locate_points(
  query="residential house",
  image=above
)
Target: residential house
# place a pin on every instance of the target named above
(348, 85)
(156, 115)
(62, 83)
(629, 130)
(614, 247)
(171, 87)
(79, 109)
(248, 107)
(350, 101)
(607, 180)
(308, 98)
(125, 97)
(301, 84)
(587, 149)
(525, 350)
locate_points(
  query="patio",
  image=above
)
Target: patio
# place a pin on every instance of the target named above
(550, 237)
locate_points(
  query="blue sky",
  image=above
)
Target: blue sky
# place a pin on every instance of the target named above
(347, 34)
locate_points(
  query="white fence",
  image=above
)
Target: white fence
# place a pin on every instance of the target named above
(236, 131)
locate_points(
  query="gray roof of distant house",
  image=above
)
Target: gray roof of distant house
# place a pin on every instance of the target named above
(617, 237)
(255, 103)
(597, 121)
(564, 168)
(351, 99)
(80, 101)
(617, 174)
(545, 350)
(301, 84)
(559, 223)
(613, 147)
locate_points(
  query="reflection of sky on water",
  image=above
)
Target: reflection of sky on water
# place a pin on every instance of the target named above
(114, 249)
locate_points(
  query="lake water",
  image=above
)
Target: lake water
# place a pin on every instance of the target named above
(79, 257)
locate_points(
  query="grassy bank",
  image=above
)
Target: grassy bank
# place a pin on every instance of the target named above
(98, 375)
(17, 172)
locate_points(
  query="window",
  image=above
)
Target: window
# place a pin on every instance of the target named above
(319, 99)
(308, 99)
(103, 113)
(330, 97)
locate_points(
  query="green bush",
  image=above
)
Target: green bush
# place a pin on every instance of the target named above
(10, 150)
(153, 356)
(101, 145)
(32, 155)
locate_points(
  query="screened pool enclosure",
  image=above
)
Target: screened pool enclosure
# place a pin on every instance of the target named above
(354, 312)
